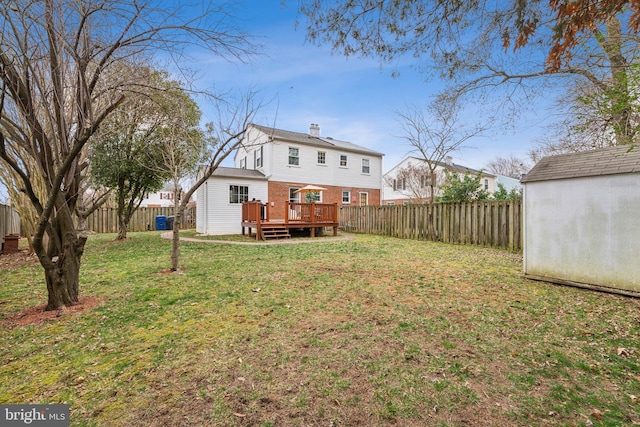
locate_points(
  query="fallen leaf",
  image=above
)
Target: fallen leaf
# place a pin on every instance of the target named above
(633, 398)
(622, 352)
(237, 414)
(256, 290)
(596, 414)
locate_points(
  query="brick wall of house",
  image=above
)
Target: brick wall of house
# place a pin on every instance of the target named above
(279, 195)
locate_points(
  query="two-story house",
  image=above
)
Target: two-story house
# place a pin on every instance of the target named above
(410, 181)
(273, 164)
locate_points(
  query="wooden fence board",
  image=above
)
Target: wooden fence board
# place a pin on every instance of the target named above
(105, 220)
(9, 221)
(495, 224)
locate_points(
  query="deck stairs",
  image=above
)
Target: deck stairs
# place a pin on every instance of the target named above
(275, 232)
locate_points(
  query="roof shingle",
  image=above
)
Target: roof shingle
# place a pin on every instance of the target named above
(307, 139)
(607, 161)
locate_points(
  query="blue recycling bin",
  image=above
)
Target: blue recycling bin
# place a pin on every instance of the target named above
(161, 222)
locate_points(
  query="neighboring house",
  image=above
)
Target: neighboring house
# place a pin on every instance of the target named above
(272, 164)
(159, 199)
(162, 199)
(508, 183)
(409, 181)
(581, 222)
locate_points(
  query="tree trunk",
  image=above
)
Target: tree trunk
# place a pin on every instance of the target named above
(619, 96)
(175, 241)
(61, 259)
(432, 189)
(122, 217)
(63, 280)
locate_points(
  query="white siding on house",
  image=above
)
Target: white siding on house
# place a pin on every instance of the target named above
(584, 230)
(163, 199)
(219, 216)
(331, 173)
(256, 139)
(389, 193)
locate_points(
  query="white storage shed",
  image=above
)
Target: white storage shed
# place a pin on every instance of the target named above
(582, 220)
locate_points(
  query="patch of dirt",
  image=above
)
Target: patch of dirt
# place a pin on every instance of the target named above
(18, 259)
(37, 315)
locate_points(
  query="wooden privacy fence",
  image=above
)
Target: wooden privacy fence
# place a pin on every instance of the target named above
(495, 224)
(105, 220)
(9, 221)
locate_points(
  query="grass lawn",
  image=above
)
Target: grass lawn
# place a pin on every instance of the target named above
(367, 332)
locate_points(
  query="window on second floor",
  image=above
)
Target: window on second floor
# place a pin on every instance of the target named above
(486, 184)
(365, 166)
(294, 156)
(238, 193)
(322, 158)
(343, 160)
(243, 163)
(258, 153)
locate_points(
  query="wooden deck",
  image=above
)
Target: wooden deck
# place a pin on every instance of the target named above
(304, 216)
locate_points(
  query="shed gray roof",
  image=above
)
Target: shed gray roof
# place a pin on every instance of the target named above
(318, 141)
(607, 161)
(239, 173)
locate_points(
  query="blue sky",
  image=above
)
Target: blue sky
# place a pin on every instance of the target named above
(351, 99)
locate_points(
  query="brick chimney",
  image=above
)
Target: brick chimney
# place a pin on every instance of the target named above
(314, 130)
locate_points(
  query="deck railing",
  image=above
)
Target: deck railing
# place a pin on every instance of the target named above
(255, 211)
(314, 213)
(320, 213)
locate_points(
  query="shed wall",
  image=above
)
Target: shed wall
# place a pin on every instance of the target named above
(218, 215)
(584, 230)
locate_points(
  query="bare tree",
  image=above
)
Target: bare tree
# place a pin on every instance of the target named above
(188, 151)
(59, 81)
(433, 136)
(416, 182)
(510, 166)
(506, 51)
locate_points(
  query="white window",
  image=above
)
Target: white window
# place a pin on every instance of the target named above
(243, 163)
(258, 154)
(313, 197)
(395, 184)
(365, 166)
(346, 197)
(293, 196)
(486, 184)
(343, 160)
(294, 156)
(322, 158)
(238, 193)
